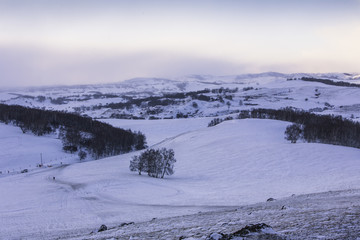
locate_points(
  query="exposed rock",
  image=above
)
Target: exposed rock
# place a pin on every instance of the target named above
(217, 236)
(126, 223)
(102, 228)
(252, 231)
(253, 228)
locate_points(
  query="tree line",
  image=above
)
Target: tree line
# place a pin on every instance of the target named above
(77, 132)
(327, 129)
(329, 82)
(171, 99)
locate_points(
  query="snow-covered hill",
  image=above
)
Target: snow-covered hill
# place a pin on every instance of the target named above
(196, 96)
(235, 163)
(19, 151)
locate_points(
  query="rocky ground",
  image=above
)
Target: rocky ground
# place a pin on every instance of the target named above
(329, 215)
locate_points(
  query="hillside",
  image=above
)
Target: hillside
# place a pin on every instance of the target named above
(233, 164)
(222, 173)
(329, 215)
(19, 151)
(196, 96)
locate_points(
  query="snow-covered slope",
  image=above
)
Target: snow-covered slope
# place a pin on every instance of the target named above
(157, 131)
(328, 215)
(235, 163)
(19, 151)
(238, 162)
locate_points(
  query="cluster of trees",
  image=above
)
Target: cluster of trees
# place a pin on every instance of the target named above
(77, 132)
(148, 101)
(156, 162)
(65, 100)
(225, 90)
(171, 99)
(59, 100)
(247, 88)
(327, 129)
(217, 121)
(330, 82)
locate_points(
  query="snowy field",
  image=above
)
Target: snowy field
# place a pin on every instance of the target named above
(20, 151)
(157, 131)
(233, 164)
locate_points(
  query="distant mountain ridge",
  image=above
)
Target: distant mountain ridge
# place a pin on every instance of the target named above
(200, 78)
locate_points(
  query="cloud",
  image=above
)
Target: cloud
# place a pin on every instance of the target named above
(30, 67)
(38, 67)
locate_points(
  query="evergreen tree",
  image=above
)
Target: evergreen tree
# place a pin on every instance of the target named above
(76, 132)
(82, 155)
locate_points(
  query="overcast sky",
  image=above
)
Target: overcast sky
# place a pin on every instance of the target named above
(46, 42)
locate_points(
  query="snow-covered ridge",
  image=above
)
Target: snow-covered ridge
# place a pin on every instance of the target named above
(195, 78)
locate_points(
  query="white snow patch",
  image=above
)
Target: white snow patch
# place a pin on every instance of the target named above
(20, 150)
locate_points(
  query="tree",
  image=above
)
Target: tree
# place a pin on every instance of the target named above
(228, 105)
(168, 160)
(136, 164)
(156, 162)
(293, 132)
(70, 148)
(82, 155)
(140, 141)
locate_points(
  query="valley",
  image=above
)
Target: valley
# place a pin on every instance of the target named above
(223, 175)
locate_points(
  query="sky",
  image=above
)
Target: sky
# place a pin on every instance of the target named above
(46, 42)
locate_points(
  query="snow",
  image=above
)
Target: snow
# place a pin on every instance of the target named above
(233, 164)
(270, 90)
(159, 130)
(223, 174)
(20, 151)
(329, 215)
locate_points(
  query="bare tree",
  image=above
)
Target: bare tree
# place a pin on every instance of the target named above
(168, 159)
(156, 162)
(293, 132)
